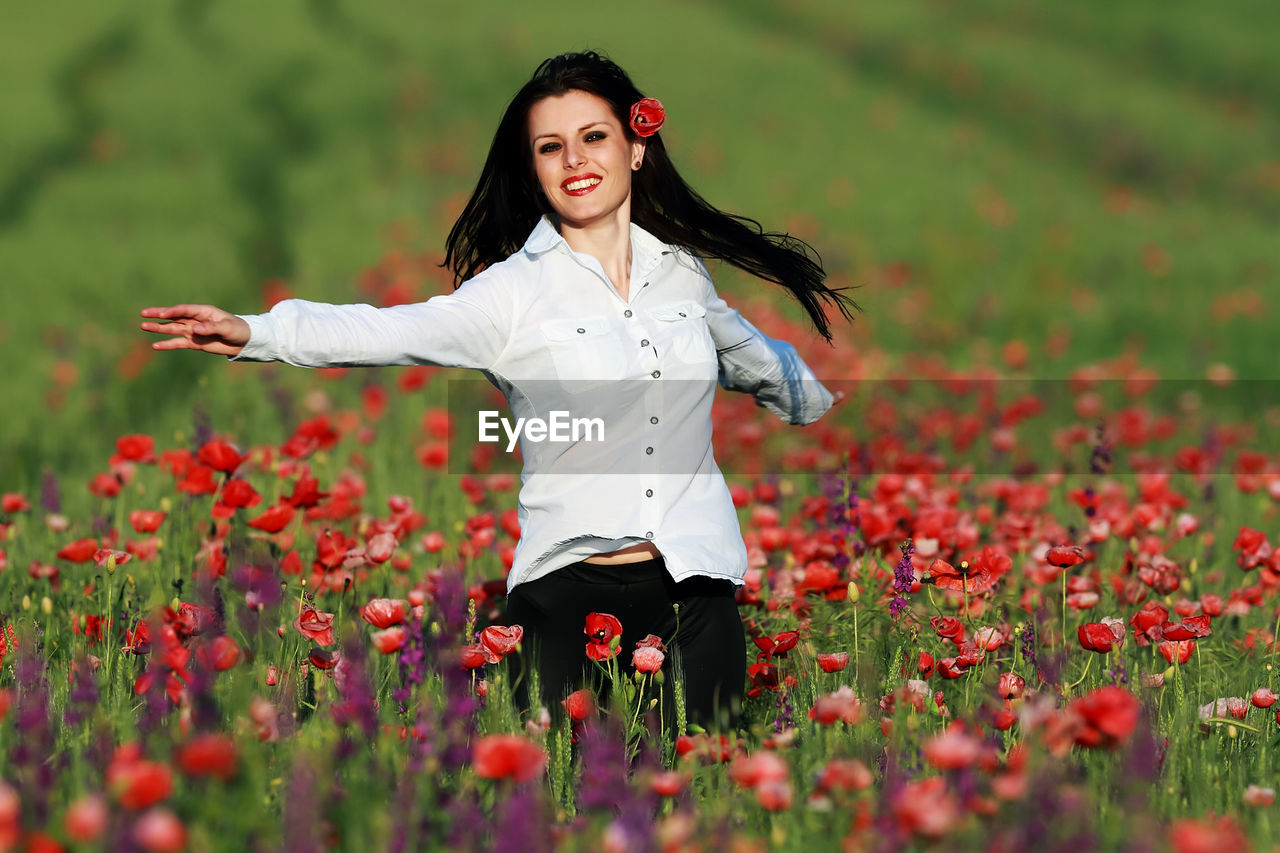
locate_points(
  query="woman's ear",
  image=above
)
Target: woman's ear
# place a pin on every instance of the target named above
(637, 154)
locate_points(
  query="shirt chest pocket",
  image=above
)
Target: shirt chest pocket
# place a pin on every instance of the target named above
(683, 334)
(584, 351)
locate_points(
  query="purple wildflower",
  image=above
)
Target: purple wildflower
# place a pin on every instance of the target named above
(84, 694)
(520, 821)
(1100, 459)
(903, 577)
(358, 706)
(302, 816)
(50, 497)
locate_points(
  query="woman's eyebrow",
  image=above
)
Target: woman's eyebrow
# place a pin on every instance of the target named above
(584, 127)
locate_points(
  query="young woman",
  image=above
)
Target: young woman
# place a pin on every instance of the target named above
(580, 285)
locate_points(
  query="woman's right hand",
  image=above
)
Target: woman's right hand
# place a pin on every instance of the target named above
(198, 327)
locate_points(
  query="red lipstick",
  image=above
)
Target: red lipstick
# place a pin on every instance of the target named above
(579, 179)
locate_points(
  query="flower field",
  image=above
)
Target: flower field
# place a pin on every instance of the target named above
(216, 643)
(1017, 590)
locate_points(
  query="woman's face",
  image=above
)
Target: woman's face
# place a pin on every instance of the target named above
(583, 158)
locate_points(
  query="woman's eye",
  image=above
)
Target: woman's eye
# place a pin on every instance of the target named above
(549, 147)
(595, 136)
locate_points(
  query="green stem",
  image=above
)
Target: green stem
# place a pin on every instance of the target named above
(1087, 665)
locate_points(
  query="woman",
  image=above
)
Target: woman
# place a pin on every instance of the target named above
(580, 286)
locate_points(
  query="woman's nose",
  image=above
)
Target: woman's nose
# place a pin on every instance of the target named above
(574, 155)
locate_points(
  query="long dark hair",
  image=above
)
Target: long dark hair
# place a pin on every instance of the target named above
(507, 203)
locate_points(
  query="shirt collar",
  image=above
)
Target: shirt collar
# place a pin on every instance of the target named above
(648, 249)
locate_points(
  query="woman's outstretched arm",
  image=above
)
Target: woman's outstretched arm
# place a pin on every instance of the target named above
(198, 327)
(469, 327)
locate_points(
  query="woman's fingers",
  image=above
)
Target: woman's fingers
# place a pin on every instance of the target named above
(197, 327)
(176, 312)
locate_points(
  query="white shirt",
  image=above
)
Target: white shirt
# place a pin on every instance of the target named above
(547, 327)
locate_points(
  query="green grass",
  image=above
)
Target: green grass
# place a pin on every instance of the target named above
(192, 151)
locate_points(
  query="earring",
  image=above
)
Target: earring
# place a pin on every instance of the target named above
(635, 165)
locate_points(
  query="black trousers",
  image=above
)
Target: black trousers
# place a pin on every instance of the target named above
(708, 643)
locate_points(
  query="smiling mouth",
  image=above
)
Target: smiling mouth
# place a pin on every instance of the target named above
(581, 185)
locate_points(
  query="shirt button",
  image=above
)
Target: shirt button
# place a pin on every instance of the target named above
(645, 342)
(648, 451)
(648, 493)
(582, 331)
(626, 313)
(653, 420)
(648, 534)
(657, 373)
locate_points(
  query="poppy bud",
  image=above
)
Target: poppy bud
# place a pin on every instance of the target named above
(46, 605)
(26, 602)
(854, 592)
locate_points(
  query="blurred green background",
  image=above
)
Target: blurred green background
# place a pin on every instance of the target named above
(1032, 186)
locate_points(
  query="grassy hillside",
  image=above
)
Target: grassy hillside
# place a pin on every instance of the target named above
(1089, 181)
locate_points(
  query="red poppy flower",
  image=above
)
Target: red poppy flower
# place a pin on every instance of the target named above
(579, 704)
(104, 557)
(160, 831)
(197, 480)
(315, 625)
(667, 783)
(323, 658)
(208, 755)
(845, 774)
(220, 653)
(474, 657)
(1177, 651)
(219, 456)
(842, 705)
(750, 771)
(647, 116)
(139, 784)
(501, 640)
(954, 749)
(1147, 622)
(647, 659)
(1065, 556)
(1096, 637)
(948, 628)
(602, 629)
(389, 640)
(12, 502)
(652, 641)
(1209, 835)
(1263, 697)
(779, 645)
(1110, 714)
(763, 676)
(384, 612)
(507, 757)
(273, 520)
(833, 662)
(1191, 628)
(86, 818)
(972, 578)
(147, 520)
(306, 493)
(137, 448)
(105, 485)
(79, 551)
(1011, 685)
(239, 493)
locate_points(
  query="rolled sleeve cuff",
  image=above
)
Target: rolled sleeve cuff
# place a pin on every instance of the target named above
(261, 346)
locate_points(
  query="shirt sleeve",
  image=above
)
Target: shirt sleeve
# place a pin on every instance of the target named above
(467, 328)
(767, 368)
